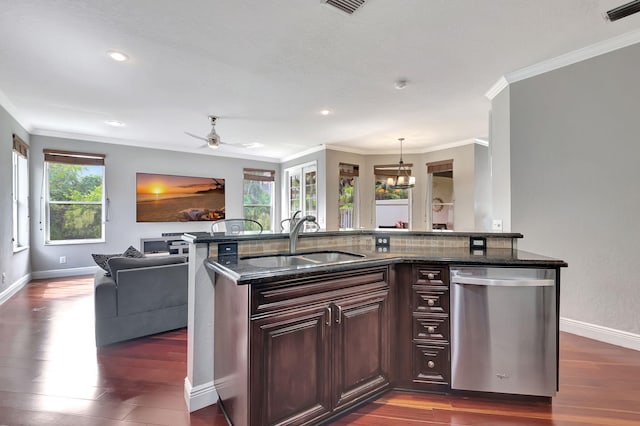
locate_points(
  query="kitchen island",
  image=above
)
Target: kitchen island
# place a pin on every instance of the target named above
(300, 342)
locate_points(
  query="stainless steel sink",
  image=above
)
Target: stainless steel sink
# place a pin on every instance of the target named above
(301, 259)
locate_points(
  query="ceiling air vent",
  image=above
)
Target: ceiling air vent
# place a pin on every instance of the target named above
(624, 10)
(346, 6)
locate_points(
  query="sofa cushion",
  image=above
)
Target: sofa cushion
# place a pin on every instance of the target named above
(120, 262)
(103, 259)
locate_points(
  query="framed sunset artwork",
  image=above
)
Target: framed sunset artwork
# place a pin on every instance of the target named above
(169, 198)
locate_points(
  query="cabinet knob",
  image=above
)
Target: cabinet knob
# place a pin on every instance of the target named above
(430, 275)
(431, 364)
(431, 330)
(431, 302)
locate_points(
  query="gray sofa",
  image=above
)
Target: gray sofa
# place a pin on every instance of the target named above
(143, 296)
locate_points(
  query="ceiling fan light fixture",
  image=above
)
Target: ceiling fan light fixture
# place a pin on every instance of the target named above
(624, 10)
(213, 139)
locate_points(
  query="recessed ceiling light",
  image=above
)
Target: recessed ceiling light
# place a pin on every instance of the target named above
(252, 145)
(117, 55)
(325, 112)
(114, 123)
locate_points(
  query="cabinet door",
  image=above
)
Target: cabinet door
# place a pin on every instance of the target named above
(361, 347)
(291, 358)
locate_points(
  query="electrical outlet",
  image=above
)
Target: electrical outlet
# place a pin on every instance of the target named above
(63, 259)
(4, 277)
(497, 225)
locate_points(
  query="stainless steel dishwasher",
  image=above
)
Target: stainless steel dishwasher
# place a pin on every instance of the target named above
(504, 330)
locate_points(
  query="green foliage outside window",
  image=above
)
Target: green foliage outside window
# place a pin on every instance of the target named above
(384, 192)
(75, 202)
(346, 190)
(258, 201)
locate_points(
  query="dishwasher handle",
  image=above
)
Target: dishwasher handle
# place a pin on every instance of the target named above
(502, 282)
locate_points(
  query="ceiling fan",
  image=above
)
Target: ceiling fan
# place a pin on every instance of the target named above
(212, 139)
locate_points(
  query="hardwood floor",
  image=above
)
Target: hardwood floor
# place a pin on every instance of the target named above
(52, 374)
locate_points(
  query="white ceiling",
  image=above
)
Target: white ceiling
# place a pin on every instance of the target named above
(267, 67)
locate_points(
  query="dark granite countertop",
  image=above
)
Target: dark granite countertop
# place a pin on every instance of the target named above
(245, 273)
(206, 237)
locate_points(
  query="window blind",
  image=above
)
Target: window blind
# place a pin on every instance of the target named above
(73, 157)
(391, 169)
(20, 146)
(440, 166)
(259, 174)
(349, 170)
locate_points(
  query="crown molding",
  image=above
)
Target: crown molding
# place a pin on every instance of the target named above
(570, 58)
(497, 88)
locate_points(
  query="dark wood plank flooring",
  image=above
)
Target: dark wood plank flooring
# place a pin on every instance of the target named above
(52, 374)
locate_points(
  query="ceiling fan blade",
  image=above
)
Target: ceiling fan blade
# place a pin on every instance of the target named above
(197, 137)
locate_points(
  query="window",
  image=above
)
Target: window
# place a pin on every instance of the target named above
(302, 193)
(348, 196)
(258, 196)
(392, 204)
(74, 197)
(20, 194)
(440, 177)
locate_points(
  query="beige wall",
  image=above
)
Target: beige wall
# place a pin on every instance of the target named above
(463, 176)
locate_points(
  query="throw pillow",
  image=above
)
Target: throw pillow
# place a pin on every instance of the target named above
(102, 259)
(132, 252)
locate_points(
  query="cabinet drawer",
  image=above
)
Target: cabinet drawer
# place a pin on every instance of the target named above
(289, 294)
(431, 300)
(429, 275)
(431, 327)
(431, 363)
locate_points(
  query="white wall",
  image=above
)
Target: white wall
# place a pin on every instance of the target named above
(500, 159)
(575, 195)
(15, 266)
(482, 187)
(121, 164)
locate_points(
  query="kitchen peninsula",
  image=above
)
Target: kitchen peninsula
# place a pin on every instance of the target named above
(300, 339)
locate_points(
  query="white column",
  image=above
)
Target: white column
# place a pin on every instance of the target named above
(199, 390)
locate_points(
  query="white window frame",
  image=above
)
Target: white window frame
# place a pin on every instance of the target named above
(48, 203)
(301, 170)
(20, 202)
(271, 206)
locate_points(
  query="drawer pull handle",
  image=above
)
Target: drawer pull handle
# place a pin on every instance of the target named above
(431, 302)
(431, 275)
(431, 364)
(431, 330)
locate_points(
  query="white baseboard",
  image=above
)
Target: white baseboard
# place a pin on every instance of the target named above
(200, 396)
(69, 272)
(14, 288)
(600, 333)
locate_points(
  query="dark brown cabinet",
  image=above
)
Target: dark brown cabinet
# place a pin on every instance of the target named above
(316, 345)
(430, 366)
(423, 341)
(292, 353)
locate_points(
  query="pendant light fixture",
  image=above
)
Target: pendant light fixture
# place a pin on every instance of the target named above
(403, 179)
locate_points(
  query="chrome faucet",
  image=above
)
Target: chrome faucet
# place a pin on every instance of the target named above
(295, 230)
